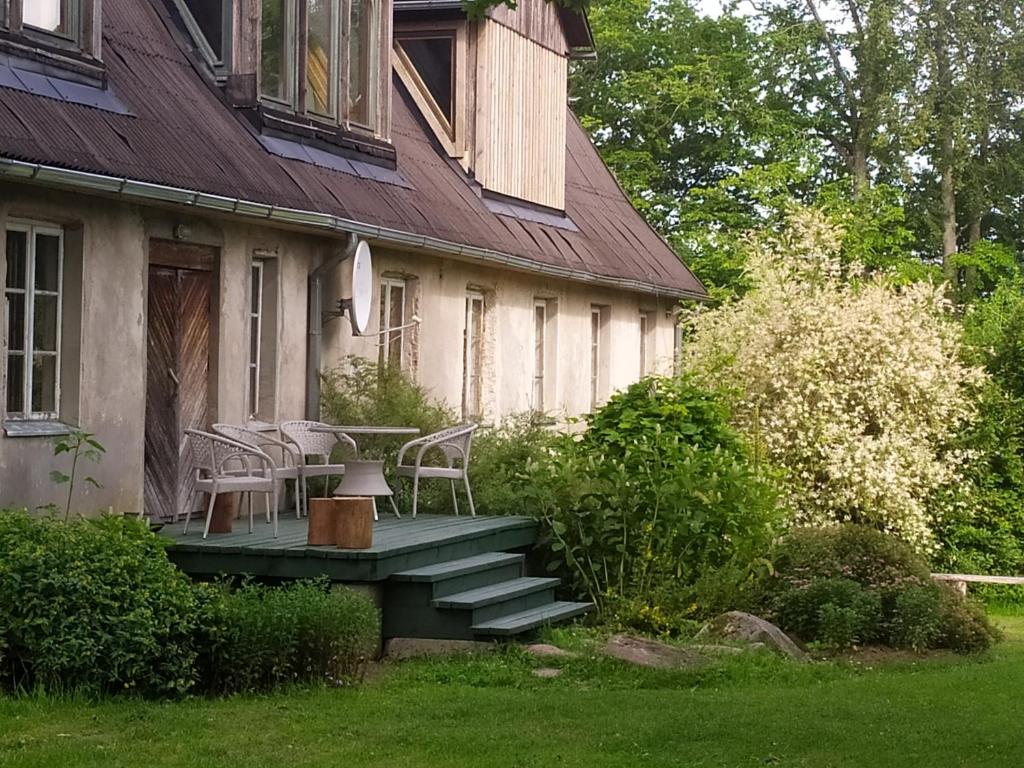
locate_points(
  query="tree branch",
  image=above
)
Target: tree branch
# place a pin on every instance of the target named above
(833, 53)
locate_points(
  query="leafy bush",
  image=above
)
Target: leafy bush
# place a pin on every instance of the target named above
(257, 638)
(849, 585)
(656, 490)
(499, 457)
(853, 386)
(92, 605)
(838, 612)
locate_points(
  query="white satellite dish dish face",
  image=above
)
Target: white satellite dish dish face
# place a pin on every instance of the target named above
(362, 288)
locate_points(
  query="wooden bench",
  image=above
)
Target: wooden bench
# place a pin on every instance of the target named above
(961, 580)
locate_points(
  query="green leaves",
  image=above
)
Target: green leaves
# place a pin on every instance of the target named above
(80, 444)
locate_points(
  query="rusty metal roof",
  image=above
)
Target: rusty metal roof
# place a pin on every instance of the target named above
(178, 132)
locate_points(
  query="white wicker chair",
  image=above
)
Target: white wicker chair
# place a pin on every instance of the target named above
(226, 466)
(317, 445)
(289, 467)
(455, 444)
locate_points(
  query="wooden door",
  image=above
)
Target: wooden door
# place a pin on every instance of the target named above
(177, 384)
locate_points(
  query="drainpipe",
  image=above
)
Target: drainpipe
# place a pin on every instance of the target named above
(315, 325)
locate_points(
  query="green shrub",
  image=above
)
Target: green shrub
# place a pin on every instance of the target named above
(92, 605)
(499, 458)
(850, 584)
(657, 490)
(837, 612)
(361, 391)
(257, 638)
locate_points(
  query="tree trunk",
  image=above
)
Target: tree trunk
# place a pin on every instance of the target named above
(944, 114)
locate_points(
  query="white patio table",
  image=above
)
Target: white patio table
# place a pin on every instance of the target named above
(366, 477)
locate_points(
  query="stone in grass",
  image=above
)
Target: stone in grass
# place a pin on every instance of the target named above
(400, 648)
(746, 627)
(651, 653)
(543, 649)
(547, 673)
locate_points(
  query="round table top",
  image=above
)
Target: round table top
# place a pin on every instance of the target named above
(367, 430)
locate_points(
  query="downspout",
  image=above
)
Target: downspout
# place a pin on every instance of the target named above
(315, 325)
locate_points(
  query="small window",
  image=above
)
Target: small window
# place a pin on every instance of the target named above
(71, 25)
(648, 324)
(473, 357)
(54, 17)
(599, 317)
(392, 322)
(433, 59)
(262, 379)
(362, 62)
(208, 22)
(33, 298)
(540, 332)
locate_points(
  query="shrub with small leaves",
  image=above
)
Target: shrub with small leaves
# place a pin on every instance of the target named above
(92, 605)
(837, 612)
(257, 637)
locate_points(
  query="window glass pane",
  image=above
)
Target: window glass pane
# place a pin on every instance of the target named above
(15, 384)
(274, 67)
(253, 389)
(48, 15)
(209, 15)
(320, 61)
(44, 383)
(47, 263)
(15, 322)
(360, 63)
(16, 246)
(254, 339)
(432, 57)
(257, 279)
(44, 322)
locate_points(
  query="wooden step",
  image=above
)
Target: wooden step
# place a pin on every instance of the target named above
(495, 593)
(533, 618)
(421, 585)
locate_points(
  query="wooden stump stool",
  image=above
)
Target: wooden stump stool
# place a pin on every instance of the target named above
(225, 510)
(346, 522)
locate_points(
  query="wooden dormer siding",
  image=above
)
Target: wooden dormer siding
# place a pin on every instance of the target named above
(536, 20)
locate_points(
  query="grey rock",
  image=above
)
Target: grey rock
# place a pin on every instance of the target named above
(542, 649)
(651, 653)
(399, 648)
(746, 627)
(547, 673)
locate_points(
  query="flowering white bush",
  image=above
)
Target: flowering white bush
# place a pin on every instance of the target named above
(852, 386)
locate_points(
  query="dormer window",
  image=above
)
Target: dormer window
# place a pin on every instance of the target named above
(208, 22)
(321, 58)
(64, 33)
(430, 59)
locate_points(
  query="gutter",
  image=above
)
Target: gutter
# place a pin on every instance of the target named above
(145, 192)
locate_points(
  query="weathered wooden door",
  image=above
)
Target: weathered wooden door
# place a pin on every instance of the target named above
(177, 383)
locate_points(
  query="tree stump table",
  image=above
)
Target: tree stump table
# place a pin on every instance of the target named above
(344, 521)
(225, 510)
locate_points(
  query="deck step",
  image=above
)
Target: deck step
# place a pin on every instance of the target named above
(495, 593)
(517, 623)
(462, 567)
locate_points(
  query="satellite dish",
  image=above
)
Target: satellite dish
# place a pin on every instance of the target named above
(362, 289)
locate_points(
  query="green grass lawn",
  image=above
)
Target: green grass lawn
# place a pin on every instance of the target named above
(491, 711)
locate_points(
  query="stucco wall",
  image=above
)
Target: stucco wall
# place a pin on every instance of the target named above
(111, 369)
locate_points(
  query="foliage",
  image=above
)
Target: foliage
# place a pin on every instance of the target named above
(81, 445)
(657, 489)
(94, 605)
(852, 386)
(851, 584)
(498, 460)
(257, 638)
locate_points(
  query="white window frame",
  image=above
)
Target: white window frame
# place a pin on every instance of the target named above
(540, 352)
(472, 378)
(200, 39)
(596, 317)
(28, 353)
(255, 313)
(386, 284)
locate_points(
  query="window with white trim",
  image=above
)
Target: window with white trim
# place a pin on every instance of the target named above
(473, 357)
(540, 334)
(72, 26)
(648, 325)
(32, 319)
(599, 321)
(262, 379)
(209, 23)
(430, 60)
(392, 322)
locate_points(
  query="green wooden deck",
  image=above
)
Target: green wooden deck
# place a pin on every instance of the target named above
(398, 545)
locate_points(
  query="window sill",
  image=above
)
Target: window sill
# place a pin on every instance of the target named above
(54, 61)
(30, 428)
